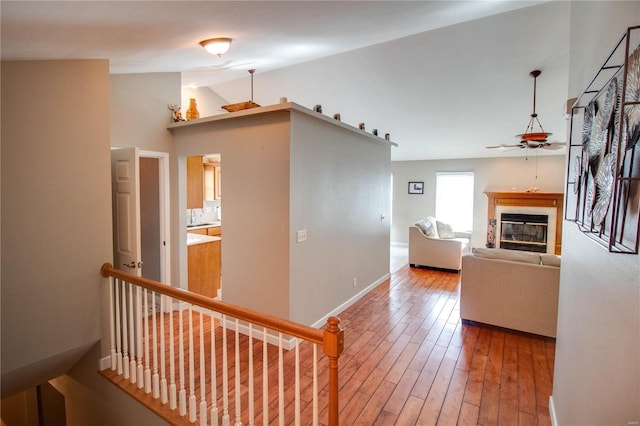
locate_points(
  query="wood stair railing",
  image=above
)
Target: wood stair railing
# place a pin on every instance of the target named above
(191, 358)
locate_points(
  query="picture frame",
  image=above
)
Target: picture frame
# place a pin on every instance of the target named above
(416, 187)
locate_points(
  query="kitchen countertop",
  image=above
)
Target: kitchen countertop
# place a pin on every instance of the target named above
(193, 239)
(205, 225)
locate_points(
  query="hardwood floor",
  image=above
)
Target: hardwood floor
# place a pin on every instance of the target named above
(408, 360)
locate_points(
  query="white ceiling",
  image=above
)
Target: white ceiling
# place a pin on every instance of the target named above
(445, 78)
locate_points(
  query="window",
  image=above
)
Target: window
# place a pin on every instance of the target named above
(454, 199)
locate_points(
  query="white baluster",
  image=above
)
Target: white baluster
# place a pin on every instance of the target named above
(315, 385)
(139, 338)
(251, 396)
(118, 328)
(125, 330)
(156, 376)
(147, 366)
(297, 383)
(183, 393)
(112, 327)
(192, 383)
(225, 374)
(214, 372)
(132, 337)
(172, 374)
(163, 377)
(280, 382)
(203, 390)
(265, 378)
(237, 381)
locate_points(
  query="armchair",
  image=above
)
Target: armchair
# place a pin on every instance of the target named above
(434, 251)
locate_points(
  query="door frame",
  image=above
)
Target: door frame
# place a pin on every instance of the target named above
(164, 210)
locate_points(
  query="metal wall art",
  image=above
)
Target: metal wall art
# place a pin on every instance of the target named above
(603, 185)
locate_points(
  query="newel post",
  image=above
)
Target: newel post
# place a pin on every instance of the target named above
(333, 346)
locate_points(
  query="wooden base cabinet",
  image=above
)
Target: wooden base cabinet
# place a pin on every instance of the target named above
(204, 268)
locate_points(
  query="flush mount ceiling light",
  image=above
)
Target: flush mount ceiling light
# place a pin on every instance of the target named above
(216, 46)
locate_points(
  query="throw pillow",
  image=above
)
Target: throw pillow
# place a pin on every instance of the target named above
(445, 230)
(428, 227)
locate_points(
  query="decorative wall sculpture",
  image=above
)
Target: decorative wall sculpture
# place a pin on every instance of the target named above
(603, 185)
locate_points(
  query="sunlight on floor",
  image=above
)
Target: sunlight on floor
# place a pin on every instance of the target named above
(399, 257)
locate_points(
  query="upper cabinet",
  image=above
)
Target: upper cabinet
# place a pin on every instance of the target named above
(195, 182)
(212, 181)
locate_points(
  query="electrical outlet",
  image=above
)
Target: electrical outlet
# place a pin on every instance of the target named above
(382, 217)
(355, 282)
(302, 235)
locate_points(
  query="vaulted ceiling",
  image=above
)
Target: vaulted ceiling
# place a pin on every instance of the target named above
(444, 78)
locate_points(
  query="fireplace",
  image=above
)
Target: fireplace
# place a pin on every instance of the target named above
(526, 232)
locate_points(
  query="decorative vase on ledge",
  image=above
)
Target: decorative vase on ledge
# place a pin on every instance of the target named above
(192, 112)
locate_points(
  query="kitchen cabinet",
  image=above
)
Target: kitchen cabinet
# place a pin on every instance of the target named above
(198, 231)
(195, 182)
(212, 181)
(203, 262)
(214, 231)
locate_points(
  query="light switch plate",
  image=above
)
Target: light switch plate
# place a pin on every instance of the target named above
(302, 235)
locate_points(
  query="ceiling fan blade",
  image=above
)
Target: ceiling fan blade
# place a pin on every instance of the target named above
(554, 145)
(503, 146)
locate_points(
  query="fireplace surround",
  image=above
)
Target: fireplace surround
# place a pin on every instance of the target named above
(527, 203)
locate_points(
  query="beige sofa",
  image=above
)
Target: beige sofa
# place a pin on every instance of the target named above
(435, 251)
(511, 289)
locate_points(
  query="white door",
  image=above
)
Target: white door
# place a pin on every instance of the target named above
(125, 186)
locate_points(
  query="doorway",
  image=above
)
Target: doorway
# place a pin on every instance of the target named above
(154, 215)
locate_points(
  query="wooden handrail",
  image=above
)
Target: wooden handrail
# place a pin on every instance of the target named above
(331, 339)
(285, 326)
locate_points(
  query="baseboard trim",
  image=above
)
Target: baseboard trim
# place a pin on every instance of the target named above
(104, 363)
(323, 321)
(552, 412)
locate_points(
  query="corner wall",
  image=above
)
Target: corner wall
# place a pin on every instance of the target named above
(56, 214)
(597, 364)
(339, 191)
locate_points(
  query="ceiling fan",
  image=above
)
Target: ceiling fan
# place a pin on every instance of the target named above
(535, 138)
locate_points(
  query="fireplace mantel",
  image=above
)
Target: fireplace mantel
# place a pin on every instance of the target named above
(529, 199)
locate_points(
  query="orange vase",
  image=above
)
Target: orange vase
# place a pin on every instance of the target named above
(192, 112)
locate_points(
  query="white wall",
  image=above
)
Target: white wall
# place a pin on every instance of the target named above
(208, 102)
(285, 171)
(490, 174)
(339, 190)
(597, 364)
(255, 246)
(56, 214)
(409, 86)
(139, 118)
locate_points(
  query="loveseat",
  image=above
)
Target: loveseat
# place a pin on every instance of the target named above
(434, 244)
(512, 289)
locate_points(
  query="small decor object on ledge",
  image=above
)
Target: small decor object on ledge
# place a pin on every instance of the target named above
(336, 116)
(361, 126)
(491, 233)
(416, 187)
(176, 116)
(375, 132)
(387, 136)
(192, 112)
(318, 108)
